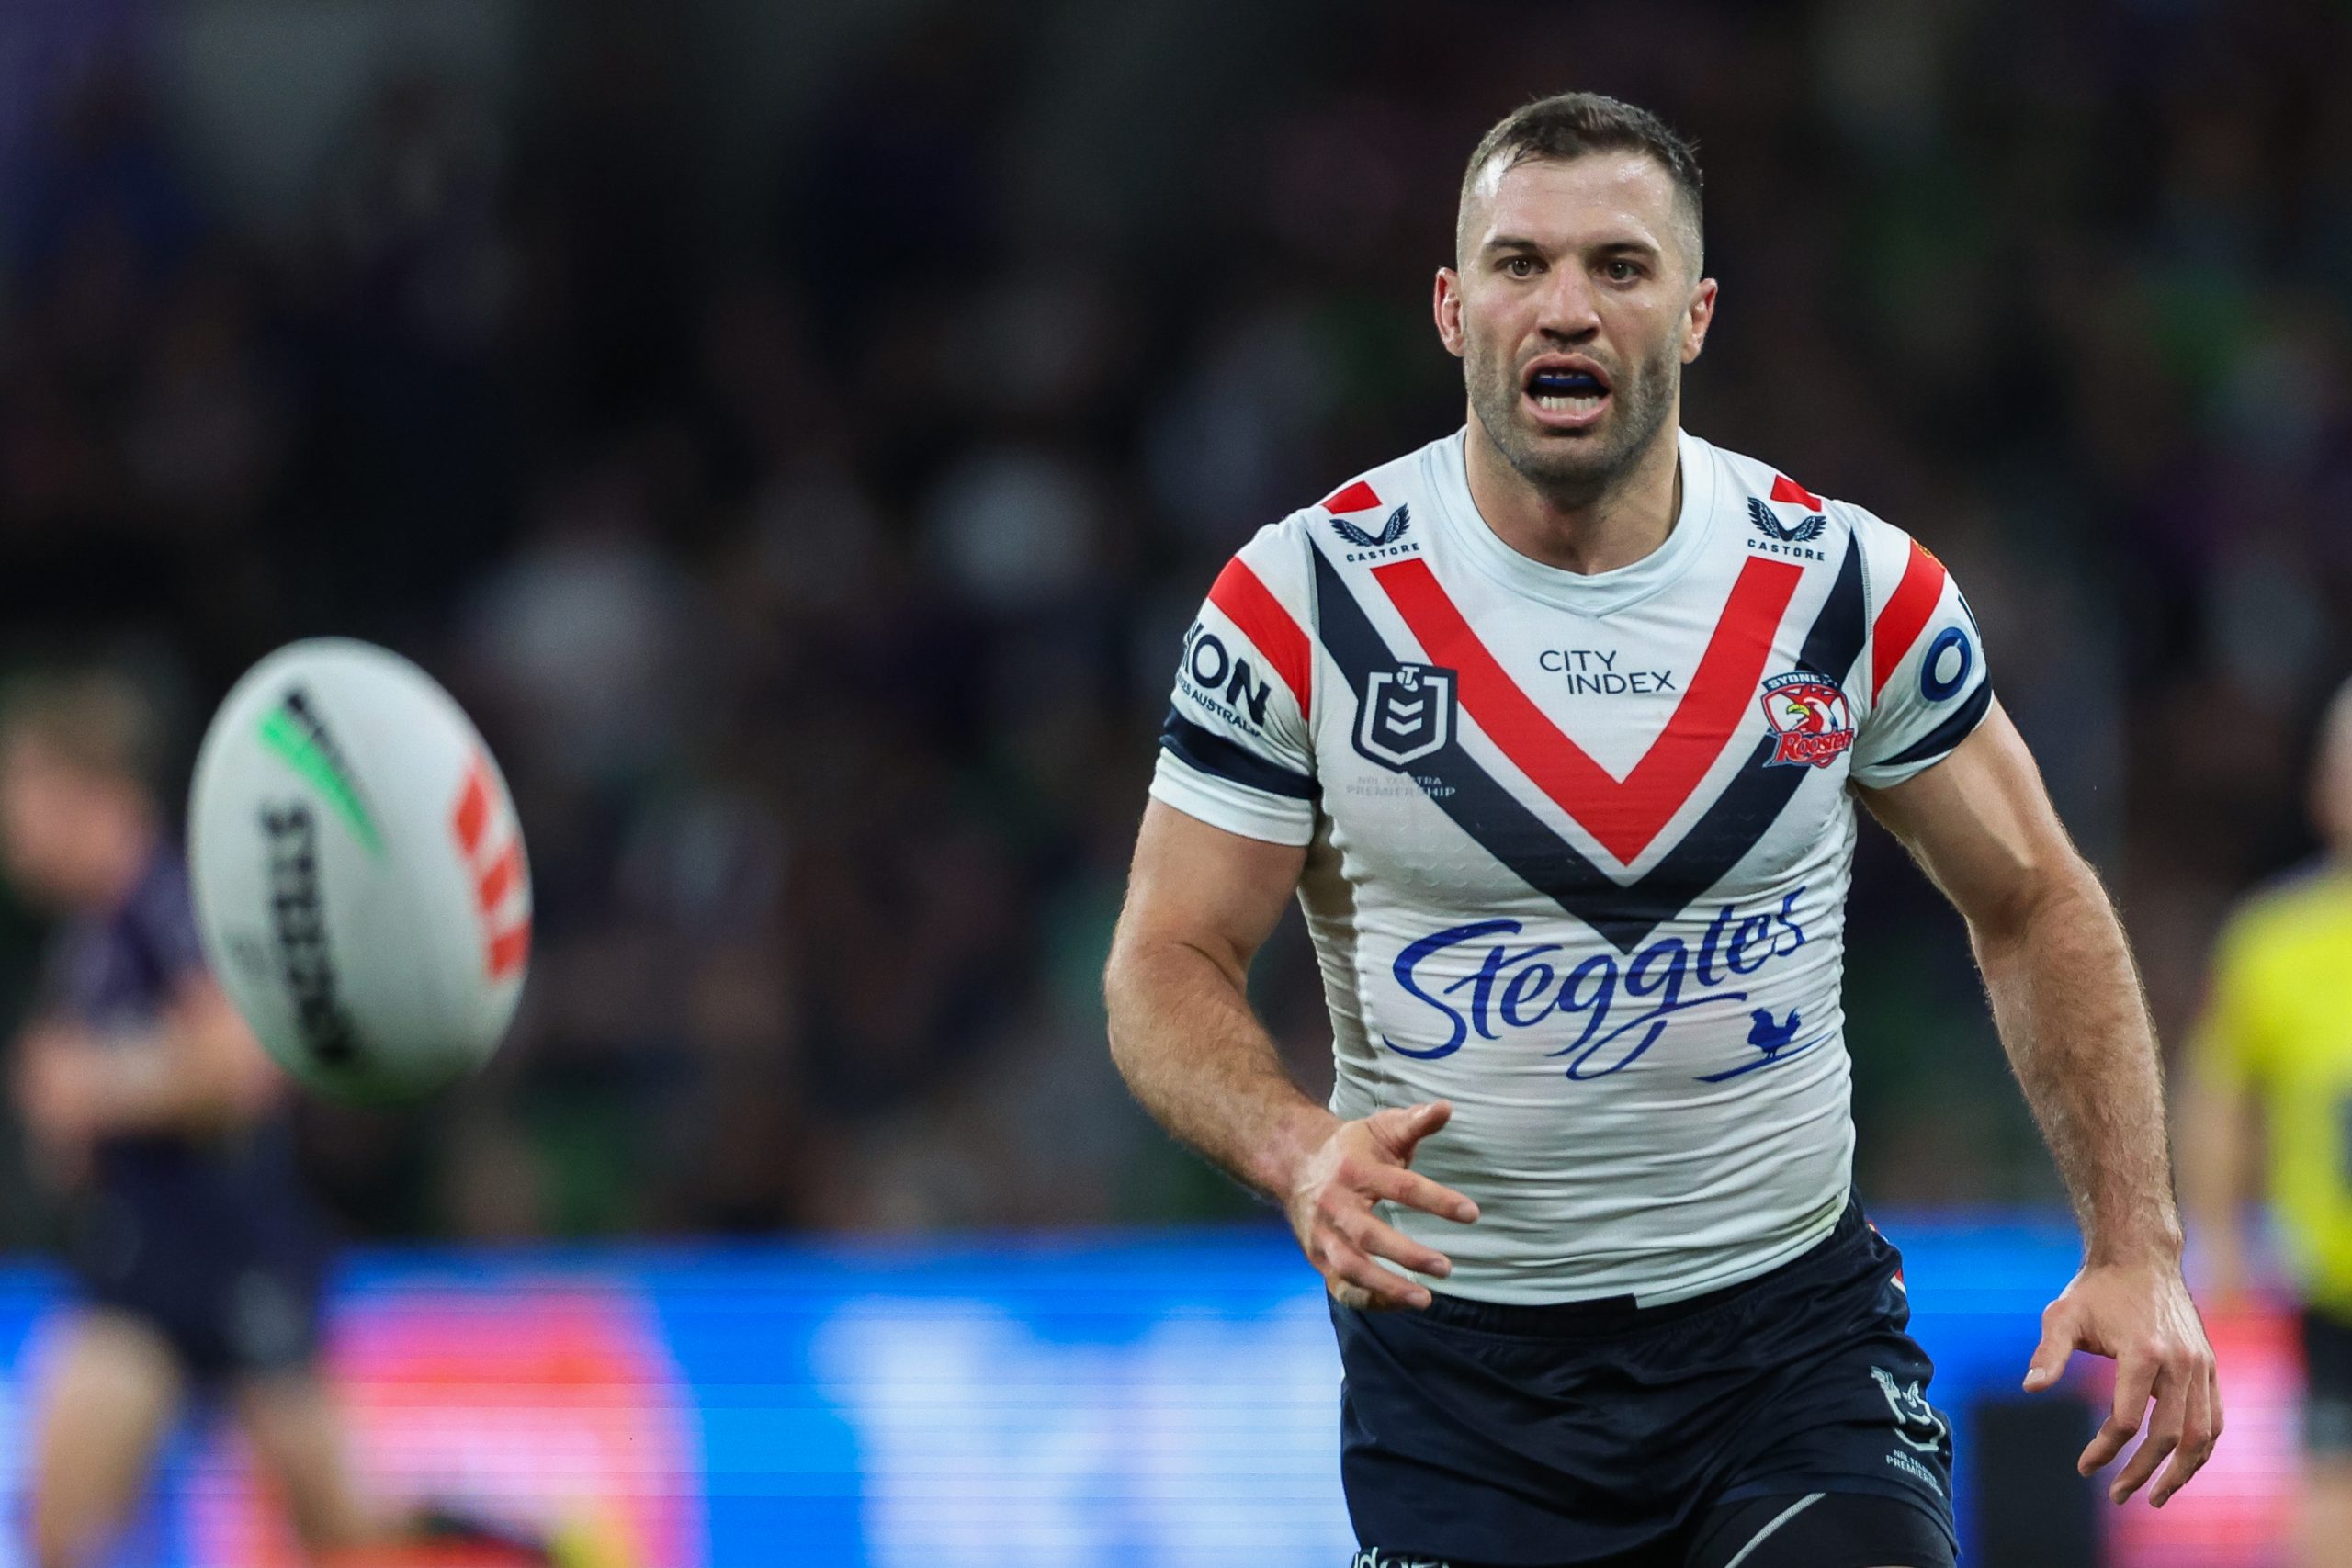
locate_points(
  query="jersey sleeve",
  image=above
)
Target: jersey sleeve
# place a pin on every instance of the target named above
(1927, 684)
(1237, 751)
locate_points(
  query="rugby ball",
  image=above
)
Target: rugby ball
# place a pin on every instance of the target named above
(358, 872)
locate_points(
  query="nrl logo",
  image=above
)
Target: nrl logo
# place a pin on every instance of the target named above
(1407, 714)
(1912, 1412)
(1761, 518)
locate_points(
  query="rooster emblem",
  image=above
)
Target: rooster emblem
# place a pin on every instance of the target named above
(1768, 1034)
(1807, 715)
(1812, 722)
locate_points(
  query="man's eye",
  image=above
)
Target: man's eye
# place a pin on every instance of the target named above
(1621, 271)
(1520, 266)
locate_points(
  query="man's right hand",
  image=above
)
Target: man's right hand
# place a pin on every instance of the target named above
(1330, 1207)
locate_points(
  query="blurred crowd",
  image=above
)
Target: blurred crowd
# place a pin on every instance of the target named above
(815, 571)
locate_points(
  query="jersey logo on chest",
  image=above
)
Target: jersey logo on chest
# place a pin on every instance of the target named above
(1812, 723)
(1624, 816)
(1407, 714)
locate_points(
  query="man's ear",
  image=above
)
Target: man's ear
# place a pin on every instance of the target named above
(1698, 318)
(1445, 304)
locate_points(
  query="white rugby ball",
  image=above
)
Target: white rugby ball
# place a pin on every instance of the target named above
(358, 872)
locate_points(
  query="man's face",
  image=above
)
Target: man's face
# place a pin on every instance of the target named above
(46, 810)
(1575, 308)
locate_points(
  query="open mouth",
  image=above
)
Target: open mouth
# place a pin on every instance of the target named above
(1559, 389)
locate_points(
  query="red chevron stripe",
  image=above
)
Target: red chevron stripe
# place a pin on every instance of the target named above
(1249, 605)
(1624, 815)
(1906, 614)
(1357, 497)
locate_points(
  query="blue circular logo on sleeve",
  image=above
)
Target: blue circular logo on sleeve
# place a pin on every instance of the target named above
(1945, 669)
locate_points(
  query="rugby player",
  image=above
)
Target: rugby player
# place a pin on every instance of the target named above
(2271, 1066)
(195, 1257)
(1554, 728)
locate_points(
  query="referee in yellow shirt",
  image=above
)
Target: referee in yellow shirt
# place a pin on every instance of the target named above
(2272, 1068)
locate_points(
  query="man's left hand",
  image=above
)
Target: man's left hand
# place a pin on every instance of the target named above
(2140, 1316)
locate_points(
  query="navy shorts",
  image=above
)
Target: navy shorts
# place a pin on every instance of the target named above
(1529, 1437)
(2327, 1397)
(234, 1288)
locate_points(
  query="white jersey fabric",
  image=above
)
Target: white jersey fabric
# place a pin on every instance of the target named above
(1578, 845)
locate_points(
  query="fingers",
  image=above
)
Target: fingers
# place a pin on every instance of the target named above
(1345, 1240)
(1360, 1282)
(2164, 1428)
(1369, 1235)
(1399, 1127)
(1398, 1185)
(2135, 1378)
(2057, 1345)
(1343, 1218)
(2198, 1433)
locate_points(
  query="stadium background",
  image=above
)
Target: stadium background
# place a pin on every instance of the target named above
(800, 434)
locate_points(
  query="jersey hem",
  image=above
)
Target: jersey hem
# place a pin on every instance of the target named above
(1464, 1282)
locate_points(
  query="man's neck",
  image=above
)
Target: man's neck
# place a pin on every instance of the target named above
(1619, 525)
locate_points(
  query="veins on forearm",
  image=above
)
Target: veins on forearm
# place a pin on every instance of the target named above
(1196, 1057)
(2075, 1022)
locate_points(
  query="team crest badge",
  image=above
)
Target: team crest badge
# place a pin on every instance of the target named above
(1407, 714)
(1812, 723)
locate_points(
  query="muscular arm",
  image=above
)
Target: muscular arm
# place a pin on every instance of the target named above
(2065, 997)
(1200, 902)
(2067, 1002)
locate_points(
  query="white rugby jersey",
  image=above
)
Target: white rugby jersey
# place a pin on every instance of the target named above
(1578, 845)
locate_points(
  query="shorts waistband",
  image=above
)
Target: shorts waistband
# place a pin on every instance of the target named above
(1602, 1314)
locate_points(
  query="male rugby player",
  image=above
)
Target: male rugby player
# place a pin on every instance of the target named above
(1555, 726)
(2274, 1050)
(195, 1255)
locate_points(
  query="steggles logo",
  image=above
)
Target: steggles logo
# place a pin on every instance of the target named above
(295, 730)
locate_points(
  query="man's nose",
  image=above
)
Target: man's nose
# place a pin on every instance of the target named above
(1569, 308)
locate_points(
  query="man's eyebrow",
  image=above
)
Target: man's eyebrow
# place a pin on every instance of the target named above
(1521, 242)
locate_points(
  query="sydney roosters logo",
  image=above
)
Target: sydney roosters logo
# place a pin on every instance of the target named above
(1812, 722)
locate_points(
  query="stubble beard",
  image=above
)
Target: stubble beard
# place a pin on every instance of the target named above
(1574, 470)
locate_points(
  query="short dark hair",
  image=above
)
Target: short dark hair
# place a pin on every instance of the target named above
(1570, 125)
